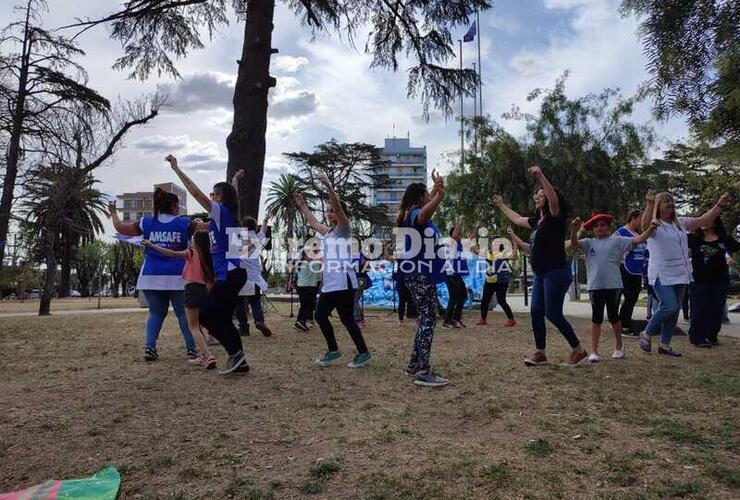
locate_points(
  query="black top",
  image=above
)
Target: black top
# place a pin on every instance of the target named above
(547, 250)
(708, 259)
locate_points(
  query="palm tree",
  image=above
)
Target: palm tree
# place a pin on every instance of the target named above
(280, 201)
(60, 201)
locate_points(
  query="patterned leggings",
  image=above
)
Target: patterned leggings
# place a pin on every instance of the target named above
(424, 296)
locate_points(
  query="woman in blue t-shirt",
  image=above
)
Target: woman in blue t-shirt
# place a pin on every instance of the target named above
(216, 313)
(420, 268)
(552, 271)
(160, 278)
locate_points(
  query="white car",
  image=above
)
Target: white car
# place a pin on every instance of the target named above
(75, 293)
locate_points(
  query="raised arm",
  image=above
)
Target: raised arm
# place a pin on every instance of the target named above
(517, 240)
(550, 194)
(457, 231)
(310, 217)
(707, 218)
(336, 205)
(263, 226)
(438, 194)
(647, 214)
(194, 190)
(575, 226)
(641, 238)
(125, 228)
(510, 213)
(182, 254)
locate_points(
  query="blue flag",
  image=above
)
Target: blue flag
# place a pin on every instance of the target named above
(470, 35)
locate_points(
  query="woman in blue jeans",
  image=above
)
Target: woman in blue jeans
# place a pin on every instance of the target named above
(669, 267)
(551, 269)
(160, 279)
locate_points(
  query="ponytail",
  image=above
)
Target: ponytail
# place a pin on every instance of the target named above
(164, 202)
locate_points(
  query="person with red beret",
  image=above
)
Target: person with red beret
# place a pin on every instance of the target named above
(604, 254)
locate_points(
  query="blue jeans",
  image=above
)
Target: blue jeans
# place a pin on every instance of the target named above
(665, 318)
(548, 294)
(159, 301)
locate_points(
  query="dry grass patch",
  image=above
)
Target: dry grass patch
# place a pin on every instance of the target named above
(77, 396)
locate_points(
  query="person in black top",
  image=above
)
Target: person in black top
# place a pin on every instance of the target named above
(551, 269)
(709, 249)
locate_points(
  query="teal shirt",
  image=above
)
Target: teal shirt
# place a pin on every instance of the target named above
(306, 276)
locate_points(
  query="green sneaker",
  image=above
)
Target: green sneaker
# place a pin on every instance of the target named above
(360, 360)
(329, 358)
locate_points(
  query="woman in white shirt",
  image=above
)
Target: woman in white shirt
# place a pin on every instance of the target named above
(339, 278)
(669, 267)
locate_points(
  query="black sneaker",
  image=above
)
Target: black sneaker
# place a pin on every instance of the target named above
(236, 364)
(629, 334)
(300, 326)
(150, 354)
(192, 354)
(264, 329)
(715, 343)
(703, 344)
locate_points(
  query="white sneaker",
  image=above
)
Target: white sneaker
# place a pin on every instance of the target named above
(594, 358)
(619, 354)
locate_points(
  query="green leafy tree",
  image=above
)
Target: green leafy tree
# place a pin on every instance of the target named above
(693, 50)
(155, 32)
(90, 266)
(280, 202)
(354, 169)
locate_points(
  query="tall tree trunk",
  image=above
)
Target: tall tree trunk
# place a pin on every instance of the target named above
(47, 290)
(65, 277)
(14, 144)
(246, 142)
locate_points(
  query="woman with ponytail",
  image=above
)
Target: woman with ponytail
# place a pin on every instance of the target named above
(160, 278)
(218, 307)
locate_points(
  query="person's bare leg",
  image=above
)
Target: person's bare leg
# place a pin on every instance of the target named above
(595, 336)
(194, 324)
(617, 329)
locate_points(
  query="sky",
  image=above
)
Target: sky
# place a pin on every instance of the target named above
(326, 88)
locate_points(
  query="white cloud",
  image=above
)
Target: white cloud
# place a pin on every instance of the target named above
(288, 64)
(209, 91)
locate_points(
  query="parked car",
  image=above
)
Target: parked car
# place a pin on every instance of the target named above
(35, 293)
(75, 293)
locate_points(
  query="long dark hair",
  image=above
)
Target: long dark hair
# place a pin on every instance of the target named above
(411, 197)
(164, 202)
(718, 227)
(563, 205)
(202, 241)
(229, 197)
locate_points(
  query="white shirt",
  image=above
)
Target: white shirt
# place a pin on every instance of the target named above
(669, 253)
(336, 259)
(253, 265)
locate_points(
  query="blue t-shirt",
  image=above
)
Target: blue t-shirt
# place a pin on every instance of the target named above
(160, 272)
(221, 220)
(419, 263)
(635, 261)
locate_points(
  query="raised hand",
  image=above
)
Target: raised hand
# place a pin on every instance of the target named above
(576, 223)
(112, 210)
(650, 196)
(654, 224)
(299, 200)
(535, 171)
(498, 200)
(239, 175)
(172, 161)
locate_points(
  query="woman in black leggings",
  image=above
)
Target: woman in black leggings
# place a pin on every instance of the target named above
(498, 274)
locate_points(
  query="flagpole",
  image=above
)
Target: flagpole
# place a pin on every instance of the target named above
(475, 115)
(480, 68)
(462, 126)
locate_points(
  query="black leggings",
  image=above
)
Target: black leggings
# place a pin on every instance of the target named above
(218, 310)
(344, 302)
(608, 297)
(457, 293)
(631, 292)
(307, 298)
(405, 304)
(500, 290)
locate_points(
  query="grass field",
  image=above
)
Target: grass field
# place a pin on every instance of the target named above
(67, 304)
(76, 396)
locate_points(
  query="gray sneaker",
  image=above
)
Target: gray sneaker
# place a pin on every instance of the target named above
(236, 364)
(430, 379)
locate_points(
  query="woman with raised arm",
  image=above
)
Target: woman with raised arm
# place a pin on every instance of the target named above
(552, 275)
(218, 308)
(669, 267)
(457, 269)
(498, 274)
(420, 268)
(160, 278)
(339, 277)
(251, 293)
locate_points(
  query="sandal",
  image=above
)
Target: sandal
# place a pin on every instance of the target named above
(210, 363)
